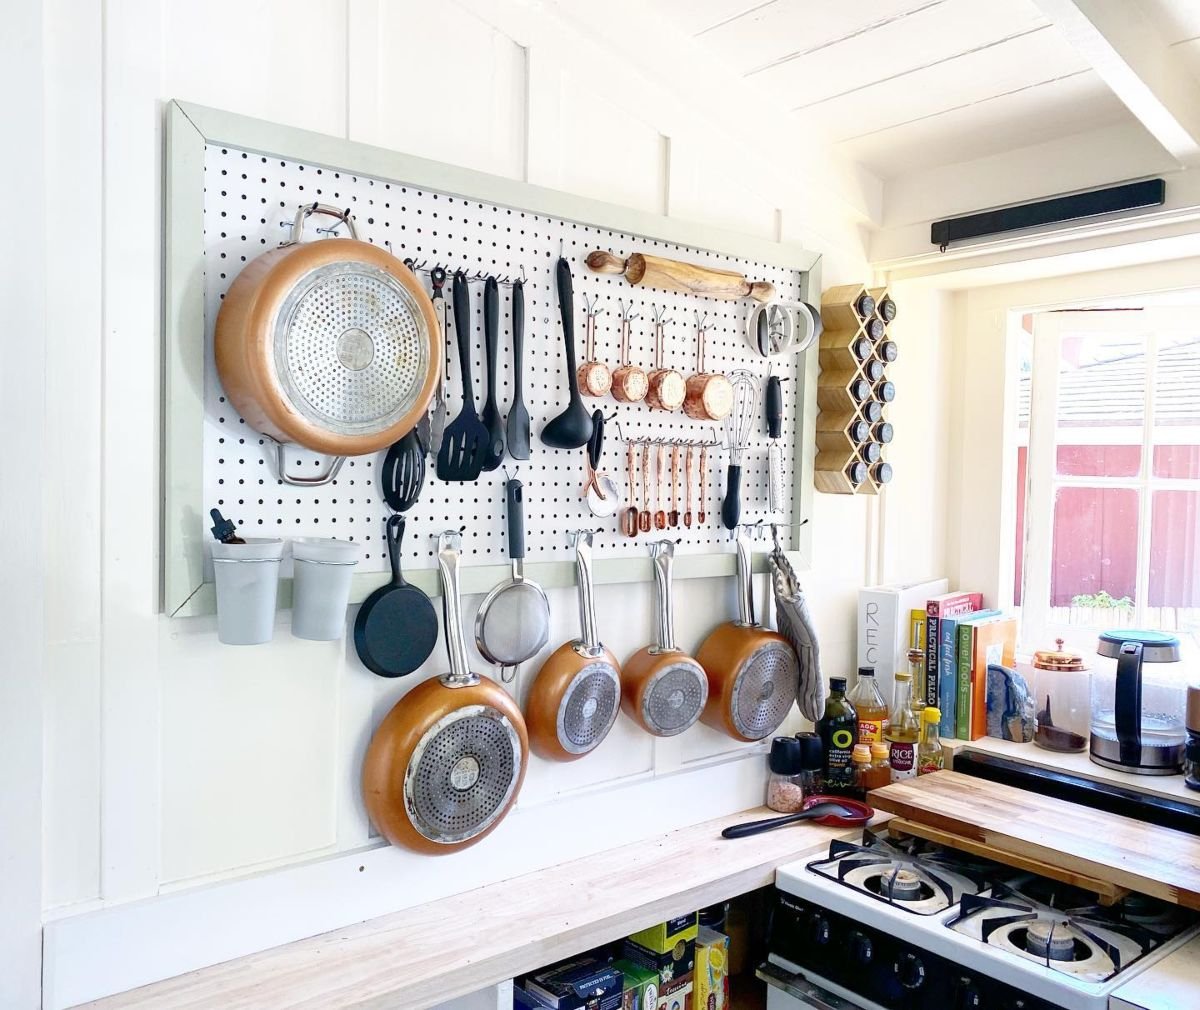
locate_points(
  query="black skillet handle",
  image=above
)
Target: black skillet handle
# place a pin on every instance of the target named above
(462, 330)
(731, 507)
(514, 493)
(774, 406)
(491, 332)
(566, 306)
(595, 444)
(394, 531)
(518, 328)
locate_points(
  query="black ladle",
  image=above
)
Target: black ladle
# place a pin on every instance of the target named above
(573, 427)
(770, 823)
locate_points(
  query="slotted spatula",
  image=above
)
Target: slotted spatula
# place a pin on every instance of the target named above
(465, 442)
(403, 473)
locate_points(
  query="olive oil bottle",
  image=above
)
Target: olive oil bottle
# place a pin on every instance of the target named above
(838, 729)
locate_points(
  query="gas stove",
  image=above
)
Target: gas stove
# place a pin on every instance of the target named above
(891, 925)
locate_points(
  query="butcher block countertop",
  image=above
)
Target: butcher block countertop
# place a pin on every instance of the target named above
(458, 945)
(1092, 843)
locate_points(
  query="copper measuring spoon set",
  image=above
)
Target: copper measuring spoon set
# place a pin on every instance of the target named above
(654, 469)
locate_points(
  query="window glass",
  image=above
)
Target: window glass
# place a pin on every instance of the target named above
(1094, 564)
(1173, 588)
(1176, 452)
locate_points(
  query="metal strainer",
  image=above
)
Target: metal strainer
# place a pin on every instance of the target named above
(513, 622)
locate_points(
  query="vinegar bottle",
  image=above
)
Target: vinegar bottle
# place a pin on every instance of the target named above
(930, 756)
(903, 730)
(870, 707)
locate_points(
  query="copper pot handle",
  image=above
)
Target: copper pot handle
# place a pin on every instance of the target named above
(663, 553)
(449, 553)
(326, 476)
(305, 212)
(745, 573)
(589, 636)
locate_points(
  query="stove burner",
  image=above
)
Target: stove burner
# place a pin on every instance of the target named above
(917, 876)
(1051, 940)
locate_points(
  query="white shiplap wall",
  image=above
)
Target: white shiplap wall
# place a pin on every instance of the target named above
(171, 761)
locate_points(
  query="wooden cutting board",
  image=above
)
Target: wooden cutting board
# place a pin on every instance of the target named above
(1092, 843)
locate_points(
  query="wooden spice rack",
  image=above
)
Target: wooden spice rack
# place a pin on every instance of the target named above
(840, 412)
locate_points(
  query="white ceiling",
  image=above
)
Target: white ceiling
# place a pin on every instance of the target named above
(904, 85)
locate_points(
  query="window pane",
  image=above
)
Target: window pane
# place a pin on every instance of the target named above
(1177, 408)
(1173, 591)
(1101, 404)
(1094, 557)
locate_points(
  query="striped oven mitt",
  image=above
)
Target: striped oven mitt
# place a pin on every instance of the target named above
(796, 625)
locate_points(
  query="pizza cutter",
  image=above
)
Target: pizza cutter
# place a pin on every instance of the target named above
(600, 490)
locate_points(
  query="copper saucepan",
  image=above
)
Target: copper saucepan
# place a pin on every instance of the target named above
(662, 688)
(331, 345)
(752, 671)
(448, 760)
(575, 699)
(629, 383)
(667, 387)
(709, 394)
(594, 377)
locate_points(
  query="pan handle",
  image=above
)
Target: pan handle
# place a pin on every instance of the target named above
(589, 636)
(317, 480)
(745, 576)
(305, 212)
(449, 553)
(663, 553)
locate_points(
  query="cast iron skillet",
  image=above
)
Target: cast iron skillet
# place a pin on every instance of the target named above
(396, 627)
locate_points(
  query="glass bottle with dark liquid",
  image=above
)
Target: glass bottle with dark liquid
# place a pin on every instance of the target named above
(838, 729)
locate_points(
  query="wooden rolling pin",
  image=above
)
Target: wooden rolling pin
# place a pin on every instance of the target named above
(673, 275)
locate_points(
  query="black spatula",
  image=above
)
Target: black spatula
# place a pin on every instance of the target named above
(465, 441)
(517, 429)
(491, 344)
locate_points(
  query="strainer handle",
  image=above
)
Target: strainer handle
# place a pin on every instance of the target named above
(449, 553)
(324, 477)
(663, 553)
(305, 212)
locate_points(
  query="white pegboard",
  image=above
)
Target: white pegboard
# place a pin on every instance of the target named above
(250, 200)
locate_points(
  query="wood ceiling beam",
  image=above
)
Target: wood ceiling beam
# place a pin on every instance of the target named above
(1121, 45)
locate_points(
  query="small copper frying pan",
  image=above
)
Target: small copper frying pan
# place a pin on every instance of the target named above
(447, 762)
(752, 672)
(663, 689)
(575, 699)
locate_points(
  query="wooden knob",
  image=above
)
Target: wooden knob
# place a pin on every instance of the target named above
(761, 291)
(601, 262)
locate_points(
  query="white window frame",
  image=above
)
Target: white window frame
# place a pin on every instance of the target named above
(1042, 481)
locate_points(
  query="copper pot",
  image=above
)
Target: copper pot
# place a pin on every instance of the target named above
(709, 395)
(330, 345)
(667, 387)
(576, 696)
(663, 689)
(447, 762)
(594, 377)
(629, 383)
(752, 672)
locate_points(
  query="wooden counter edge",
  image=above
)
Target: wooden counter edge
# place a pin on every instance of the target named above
(425, 955)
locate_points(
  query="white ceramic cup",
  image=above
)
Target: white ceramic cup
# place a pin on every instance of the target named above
(322, 571)
(247, 578)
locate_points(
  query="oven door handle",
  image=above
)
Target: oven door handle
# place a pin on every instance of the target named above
(801, 988)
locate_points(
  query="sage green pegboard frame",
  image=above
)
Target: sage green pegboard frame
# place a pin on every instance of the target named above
(189, 128)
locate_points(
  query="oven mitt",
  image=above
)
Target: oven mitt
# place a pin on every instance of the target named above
(796, 625)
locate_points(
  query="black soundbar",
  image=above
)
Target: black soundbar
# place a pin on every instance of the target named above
(1076, 206)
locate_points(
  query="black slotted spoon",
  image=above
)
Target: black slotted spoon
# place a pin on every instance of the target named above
(465, 441)
(403, 473)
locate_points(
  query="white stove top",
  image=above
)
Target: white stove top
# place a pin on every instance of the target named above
(932, 933)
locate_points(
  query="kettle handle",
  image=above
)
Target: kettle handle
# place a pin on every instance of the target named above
(1128, 714)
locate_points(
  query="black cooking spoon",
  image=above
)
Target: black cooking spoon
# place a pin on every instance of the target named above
(491, 344)
(770, 823)
(396, 628)
(573, 427)
(517, 431)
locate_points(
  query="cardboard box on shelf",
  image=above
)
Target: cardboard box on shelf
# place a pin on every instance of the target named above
(583, 983)
(641, 986)
(711, 976)
(679, 960)
(676, 994)
(664, 936)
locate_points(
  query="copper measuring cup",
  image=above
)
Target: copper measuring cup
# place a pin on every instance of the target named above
(667, 387)
(709, 394)
(594, 377)
(629, 383)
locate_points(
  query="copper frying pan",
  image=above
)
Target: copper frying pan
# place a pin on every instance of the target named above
(576, 697)
(663, 689)
(331, 345)
(752, 671)
(448, 760)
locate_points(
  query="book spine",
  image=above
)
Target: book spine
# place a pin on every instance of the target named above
(930, 692)
(962, 708)
(948, 676)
